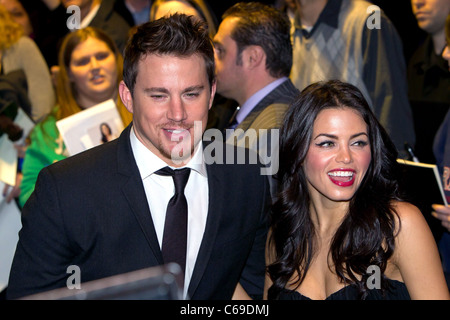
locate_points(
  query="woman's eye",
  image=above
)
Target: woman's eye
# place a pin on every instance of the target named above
(82, 62)
(17, 14)
(325, 144)
(361, 143)
(102, 56)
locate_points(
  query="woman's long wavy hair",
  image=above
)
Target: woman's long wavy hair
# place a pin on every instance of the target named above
(367, 234)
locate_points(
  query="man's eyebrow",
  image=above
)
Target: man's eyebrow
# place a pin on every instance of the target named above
(156, 90)
(194, 88)
(166, 91)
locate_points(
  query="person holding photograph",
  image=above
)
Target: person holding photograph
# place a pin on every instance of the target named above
(441, 149)
(90, 71)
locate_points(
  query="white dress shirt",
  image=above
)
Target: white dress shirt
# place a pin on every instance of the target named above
(159, 189)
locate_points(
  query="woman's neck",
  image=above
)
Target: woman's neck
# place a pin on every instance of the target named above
(86, 103)
(327, 215)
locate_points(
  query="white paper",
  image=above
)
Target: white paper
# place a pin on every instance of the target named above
(10, 225)
(8, 154)
(81, 131)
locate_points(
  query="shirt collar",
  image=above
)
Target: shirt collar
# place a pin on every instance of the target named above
(148, 162)
(431, 59)
(251, 102)
(429, 62)
(329, 16)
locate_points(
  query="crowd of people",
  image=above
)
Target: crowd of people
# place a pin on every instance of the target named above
(288, 116)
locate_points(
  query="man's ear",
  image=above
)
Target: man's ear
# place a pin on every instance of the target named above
(126, 96)
(213, 93)
(254, 56)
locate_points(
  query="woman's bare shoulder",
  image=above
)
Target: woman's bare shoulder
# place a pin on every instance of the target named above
(409, 215)
(416, 255)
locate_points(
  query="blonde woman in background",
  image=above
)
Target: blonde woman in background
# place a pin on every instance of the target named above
(19, 52)
(22, 63)
(19, 15)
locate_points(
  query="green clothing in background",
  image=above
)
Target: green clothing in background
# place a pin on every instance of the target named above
(46, 147)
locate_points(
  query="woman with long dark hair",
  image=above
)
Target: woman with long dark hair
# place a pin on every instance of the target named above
(339, 228)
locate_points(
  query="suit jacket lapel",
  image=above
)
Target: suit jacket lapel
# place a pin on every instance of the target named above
(134, 192)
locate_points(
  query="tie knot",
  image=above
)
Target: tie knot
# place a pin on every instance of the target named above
(180, 177)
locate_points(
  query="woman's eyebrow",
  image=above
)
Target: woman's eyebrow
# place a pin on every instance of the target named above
(332, 136)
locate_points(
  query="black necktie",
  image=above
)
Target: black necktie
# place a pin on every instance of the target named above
(175, 228)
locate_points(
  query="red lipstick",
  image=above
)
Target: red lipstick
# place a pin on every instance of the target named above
(342, 177)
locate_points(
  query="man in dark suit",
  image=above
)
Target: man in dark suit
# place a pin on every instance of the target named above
(253, 62)
(104, 210)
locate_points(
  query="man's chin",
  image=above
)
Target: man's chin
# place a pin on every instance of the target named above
(179, 154)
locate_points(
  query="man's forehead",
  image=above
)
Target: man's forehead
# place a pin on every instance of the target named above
(161, 61)
(172, 71)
